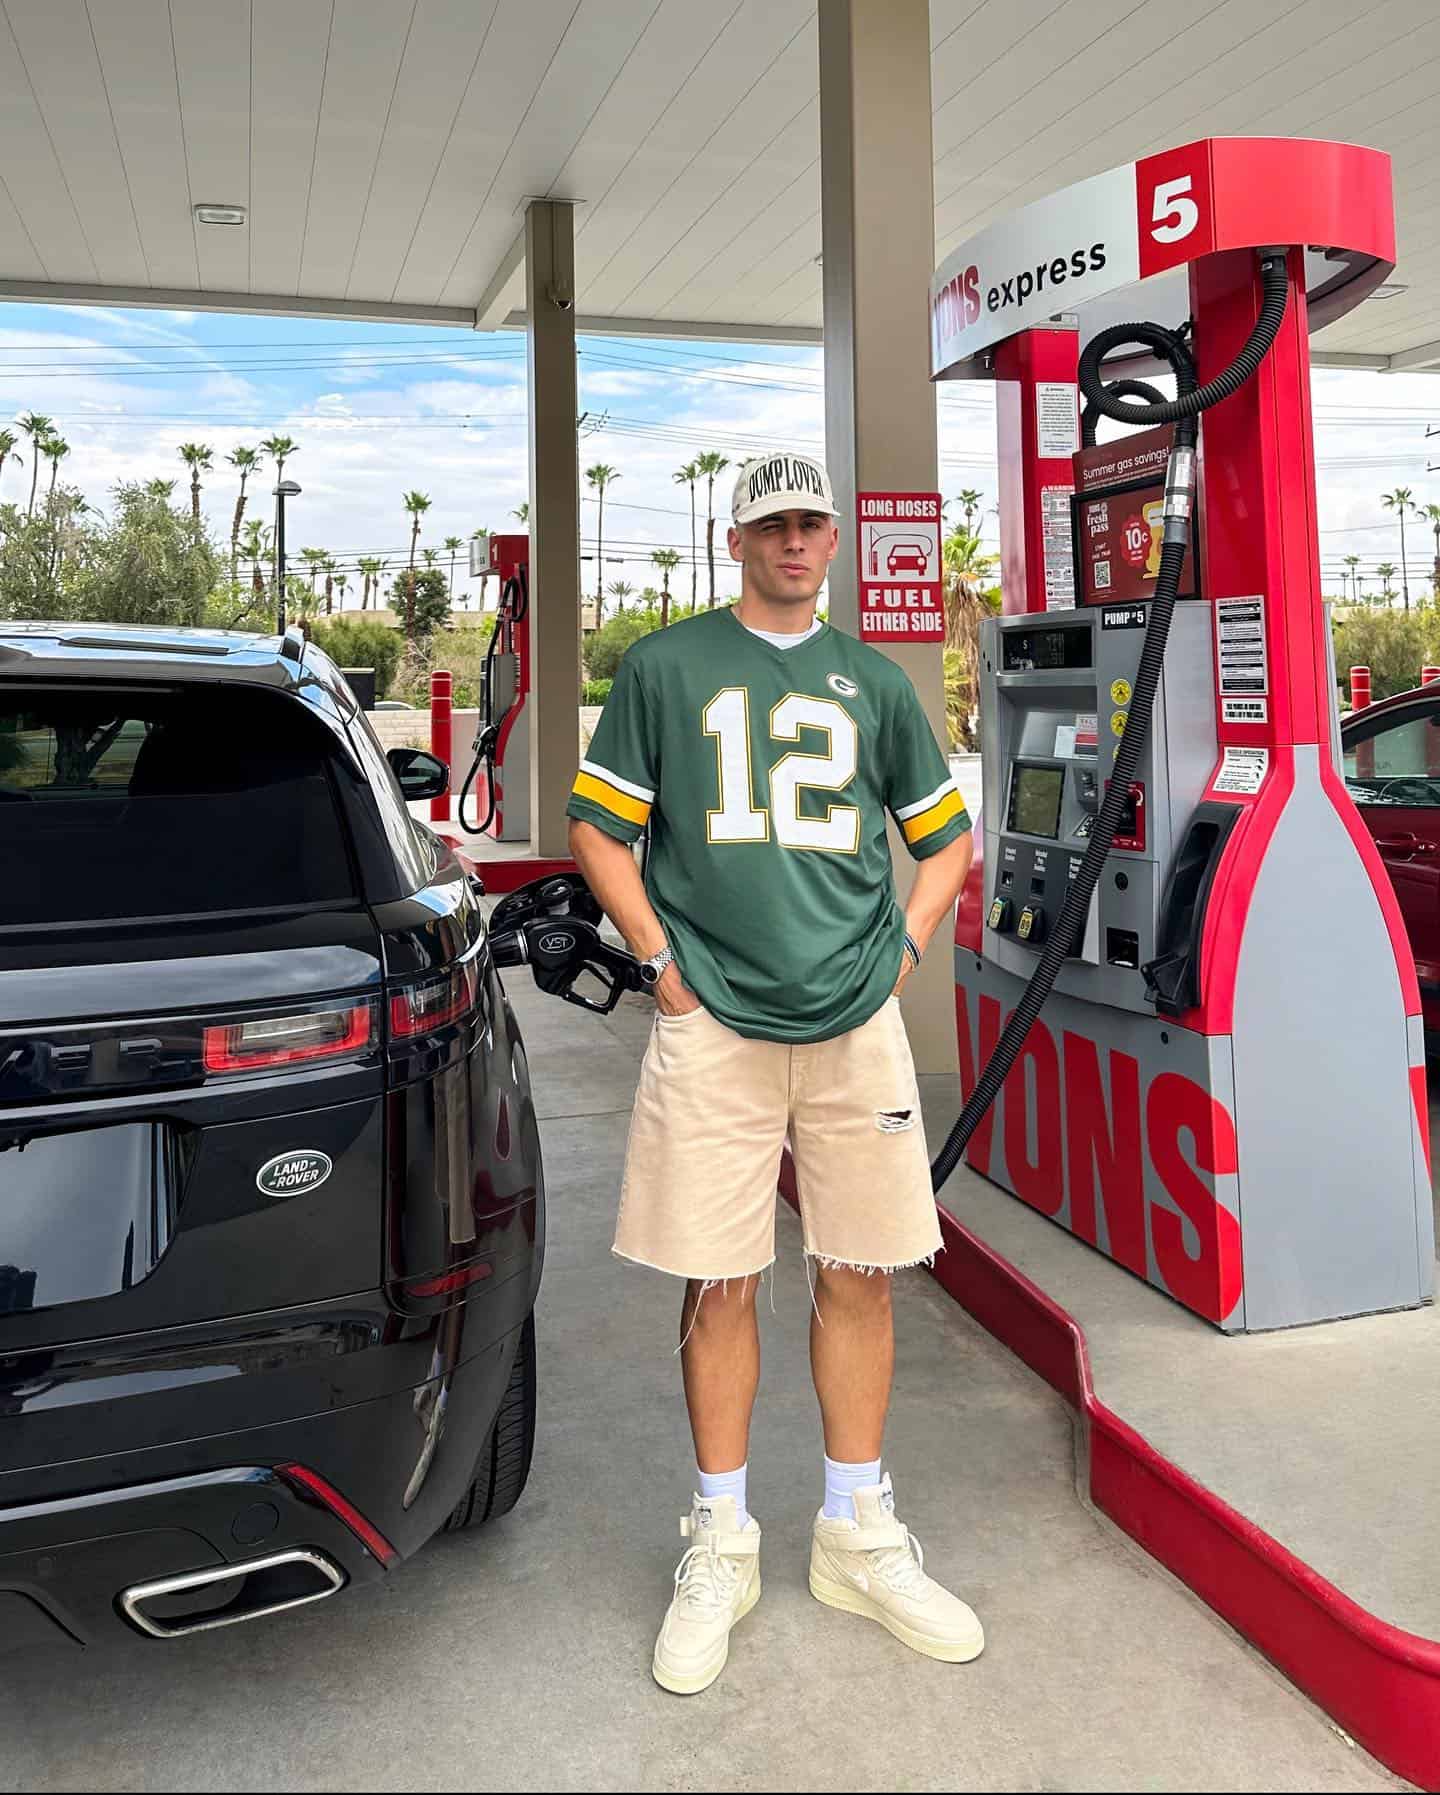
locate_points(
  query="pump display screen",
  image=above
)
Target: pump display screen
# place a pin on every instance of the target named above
(1035, 794)
(1048, 650)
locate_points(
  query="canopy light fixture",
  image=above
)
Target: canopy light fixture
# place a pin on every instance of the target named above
(219, 214)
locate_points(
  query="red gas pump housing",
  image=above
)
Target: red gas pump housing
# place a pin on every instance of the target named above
(510, 561)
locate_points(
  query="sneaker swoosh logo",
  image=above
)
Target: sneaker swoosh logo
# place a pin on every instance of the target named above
(858, 1578)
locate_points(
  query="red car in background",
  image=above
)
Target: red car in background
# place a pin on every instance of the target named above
(1392, 771)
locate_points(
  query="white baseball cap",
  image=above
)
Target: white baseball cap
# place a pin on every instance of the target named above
(774, 483)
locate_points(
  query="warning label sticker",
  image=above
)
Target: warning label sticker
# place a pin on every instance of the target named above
(1057, 419)
(1059, 546)
(1244, 710)
(1240, 662)
(1243, 770)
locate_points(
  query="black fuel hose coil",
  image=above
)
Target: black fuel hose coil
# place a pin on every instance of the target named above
(1118, 389)
(1182, 411)
(515, 596)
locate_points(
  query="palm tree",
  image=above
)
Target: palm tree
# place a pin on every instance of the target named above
(1399, 502)
(667, 560)
(522, 511)
(429, 556)
(314, 559)
(54, 449)
(600, 477)
(370, 566)
(687, 476)
(454, 544)
(1386, 571)
(970, 502)
(37, 427)
(1352, 562)
(965, 568)
(417, 504)
(1431, 513)
(197, 457)
(620, 590)
(160, 489)
(342, 580)
(279, 449)
(255, 548)
(245, 462)
(8, 440)
(329, 566)
(710, 464)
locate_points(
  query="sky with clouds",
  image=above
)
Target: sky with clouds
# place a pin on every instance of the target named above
(378, 409)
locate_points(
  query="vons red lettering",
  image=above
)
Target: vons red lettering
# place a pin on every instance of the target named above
(1083, 1142)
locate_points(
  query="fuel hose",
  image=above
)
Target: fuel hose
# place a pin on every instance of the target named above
(1118, 401)
(514, 602)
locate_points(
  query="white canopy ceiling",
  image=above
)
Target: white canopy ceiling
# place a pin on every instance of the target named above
(384, 149)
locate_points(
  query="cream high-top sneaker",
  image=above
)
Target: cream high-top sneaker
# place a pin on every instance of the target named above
(874, 1566)
(717, 1582)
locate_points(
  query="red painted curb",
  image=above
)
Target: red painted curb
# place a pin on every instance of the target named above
(1376, 1681)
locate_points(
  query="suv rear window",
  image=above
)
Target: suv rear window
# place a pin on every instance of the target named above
(118, 805)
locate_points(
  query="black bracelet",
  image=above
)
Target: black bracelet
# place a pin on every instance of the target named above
(913, 951)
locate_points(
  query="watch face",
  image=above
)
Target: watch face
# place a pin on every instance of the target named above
(648, 974)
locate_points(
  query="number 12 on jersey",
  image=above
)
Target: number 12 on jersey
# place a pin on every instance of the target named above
(727, 718)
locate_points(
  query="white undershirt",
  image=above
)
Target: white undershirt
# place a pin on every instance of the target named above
(778, 639)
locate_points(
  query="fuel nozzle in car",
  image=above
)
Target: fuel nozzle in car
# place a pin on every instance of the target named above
(560, 951)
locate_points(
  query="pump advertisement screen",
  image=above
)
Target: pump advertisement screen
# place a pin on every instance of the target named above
(1119, 506)
(1035, 795)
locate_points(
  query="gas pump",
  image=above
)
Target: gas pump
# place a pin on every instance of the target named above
(500, 767)
(1226, 1089)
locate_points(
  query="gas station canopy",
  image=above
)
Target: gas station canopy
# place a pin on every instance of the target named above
(376, 156)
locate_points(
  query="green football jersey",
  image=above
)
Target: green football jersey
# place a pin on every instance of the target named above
(765, 775)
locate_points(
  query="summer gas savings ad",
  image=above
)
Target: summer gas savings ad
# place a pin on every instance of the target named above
(898, 556)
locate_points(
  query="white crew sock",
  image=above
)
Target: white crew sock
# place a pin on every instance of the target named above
(841, 1481)
(726, 1483)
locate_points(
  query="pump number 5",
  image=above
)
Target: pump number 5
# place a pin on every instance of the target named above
(1174, 214)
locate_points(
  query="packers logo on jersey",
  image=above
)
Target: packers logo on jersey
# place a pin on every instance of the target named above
(847, 688)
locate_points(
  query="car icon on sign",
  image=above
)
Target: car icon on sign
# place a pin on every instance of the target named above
(909, 556)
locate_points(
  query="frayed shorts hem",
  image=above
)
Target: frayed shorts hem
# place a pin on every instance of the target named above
(698, 1277)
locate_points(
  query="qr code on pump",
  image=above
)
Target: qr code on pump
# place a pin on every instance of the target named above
(1102, 576)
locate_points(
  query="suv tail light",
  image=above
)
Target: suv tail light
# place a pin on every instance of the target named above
(264, 1042)
(432, 1003)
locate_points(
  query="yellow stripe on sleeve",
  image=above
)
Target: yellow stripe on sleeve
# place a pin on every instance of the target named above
(608, 797)
(918, 827)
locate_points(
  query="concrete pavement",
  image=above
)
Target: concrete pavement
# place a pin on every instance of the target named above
(518, 1656)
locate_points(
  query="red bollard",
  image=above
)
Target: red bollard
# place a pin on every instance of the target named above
(1359, 701)
(442, 690)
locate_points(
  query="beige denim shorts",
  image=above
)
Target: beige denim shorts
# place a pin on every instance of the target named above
(712, 1113)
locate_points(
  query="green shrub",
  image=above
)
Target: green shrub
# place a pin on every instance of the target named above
(1394, 645)
(606, 648)
(595, 691)
(362, 642)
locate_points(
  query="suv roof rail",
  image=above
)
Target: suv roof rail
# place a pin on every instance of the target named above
(292, 644)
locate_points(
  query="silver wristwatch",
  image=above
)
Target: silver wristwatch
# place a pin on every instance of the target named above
(651, 969)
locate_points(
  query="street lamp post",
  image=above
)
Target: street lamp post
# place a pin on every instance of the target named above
(287, 489)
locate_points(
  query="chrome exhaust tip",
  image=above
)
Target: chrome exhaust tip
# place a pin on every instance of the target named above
(256, 1587)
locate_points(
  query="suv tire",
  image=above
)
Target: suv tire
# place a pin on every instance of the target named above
(504, 1463)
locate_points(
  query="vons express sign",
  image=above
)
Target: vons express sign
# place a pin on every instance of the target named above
(1073, 246)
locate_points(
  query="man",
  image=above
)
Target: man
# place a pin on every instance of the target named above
(764, 749)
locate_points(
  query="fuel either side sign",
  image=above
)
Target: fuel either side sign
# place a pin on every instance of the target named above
(897, 556)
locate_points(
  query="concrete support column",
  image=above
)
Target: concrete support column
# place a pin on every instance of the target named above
(554, 520)
(878, 225)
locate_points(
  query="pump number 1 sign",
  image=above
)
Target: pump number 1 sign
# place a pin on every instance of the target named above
(898, 561)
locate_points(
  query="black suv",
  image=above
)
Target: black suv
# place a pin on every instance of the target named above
(271, 1203)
